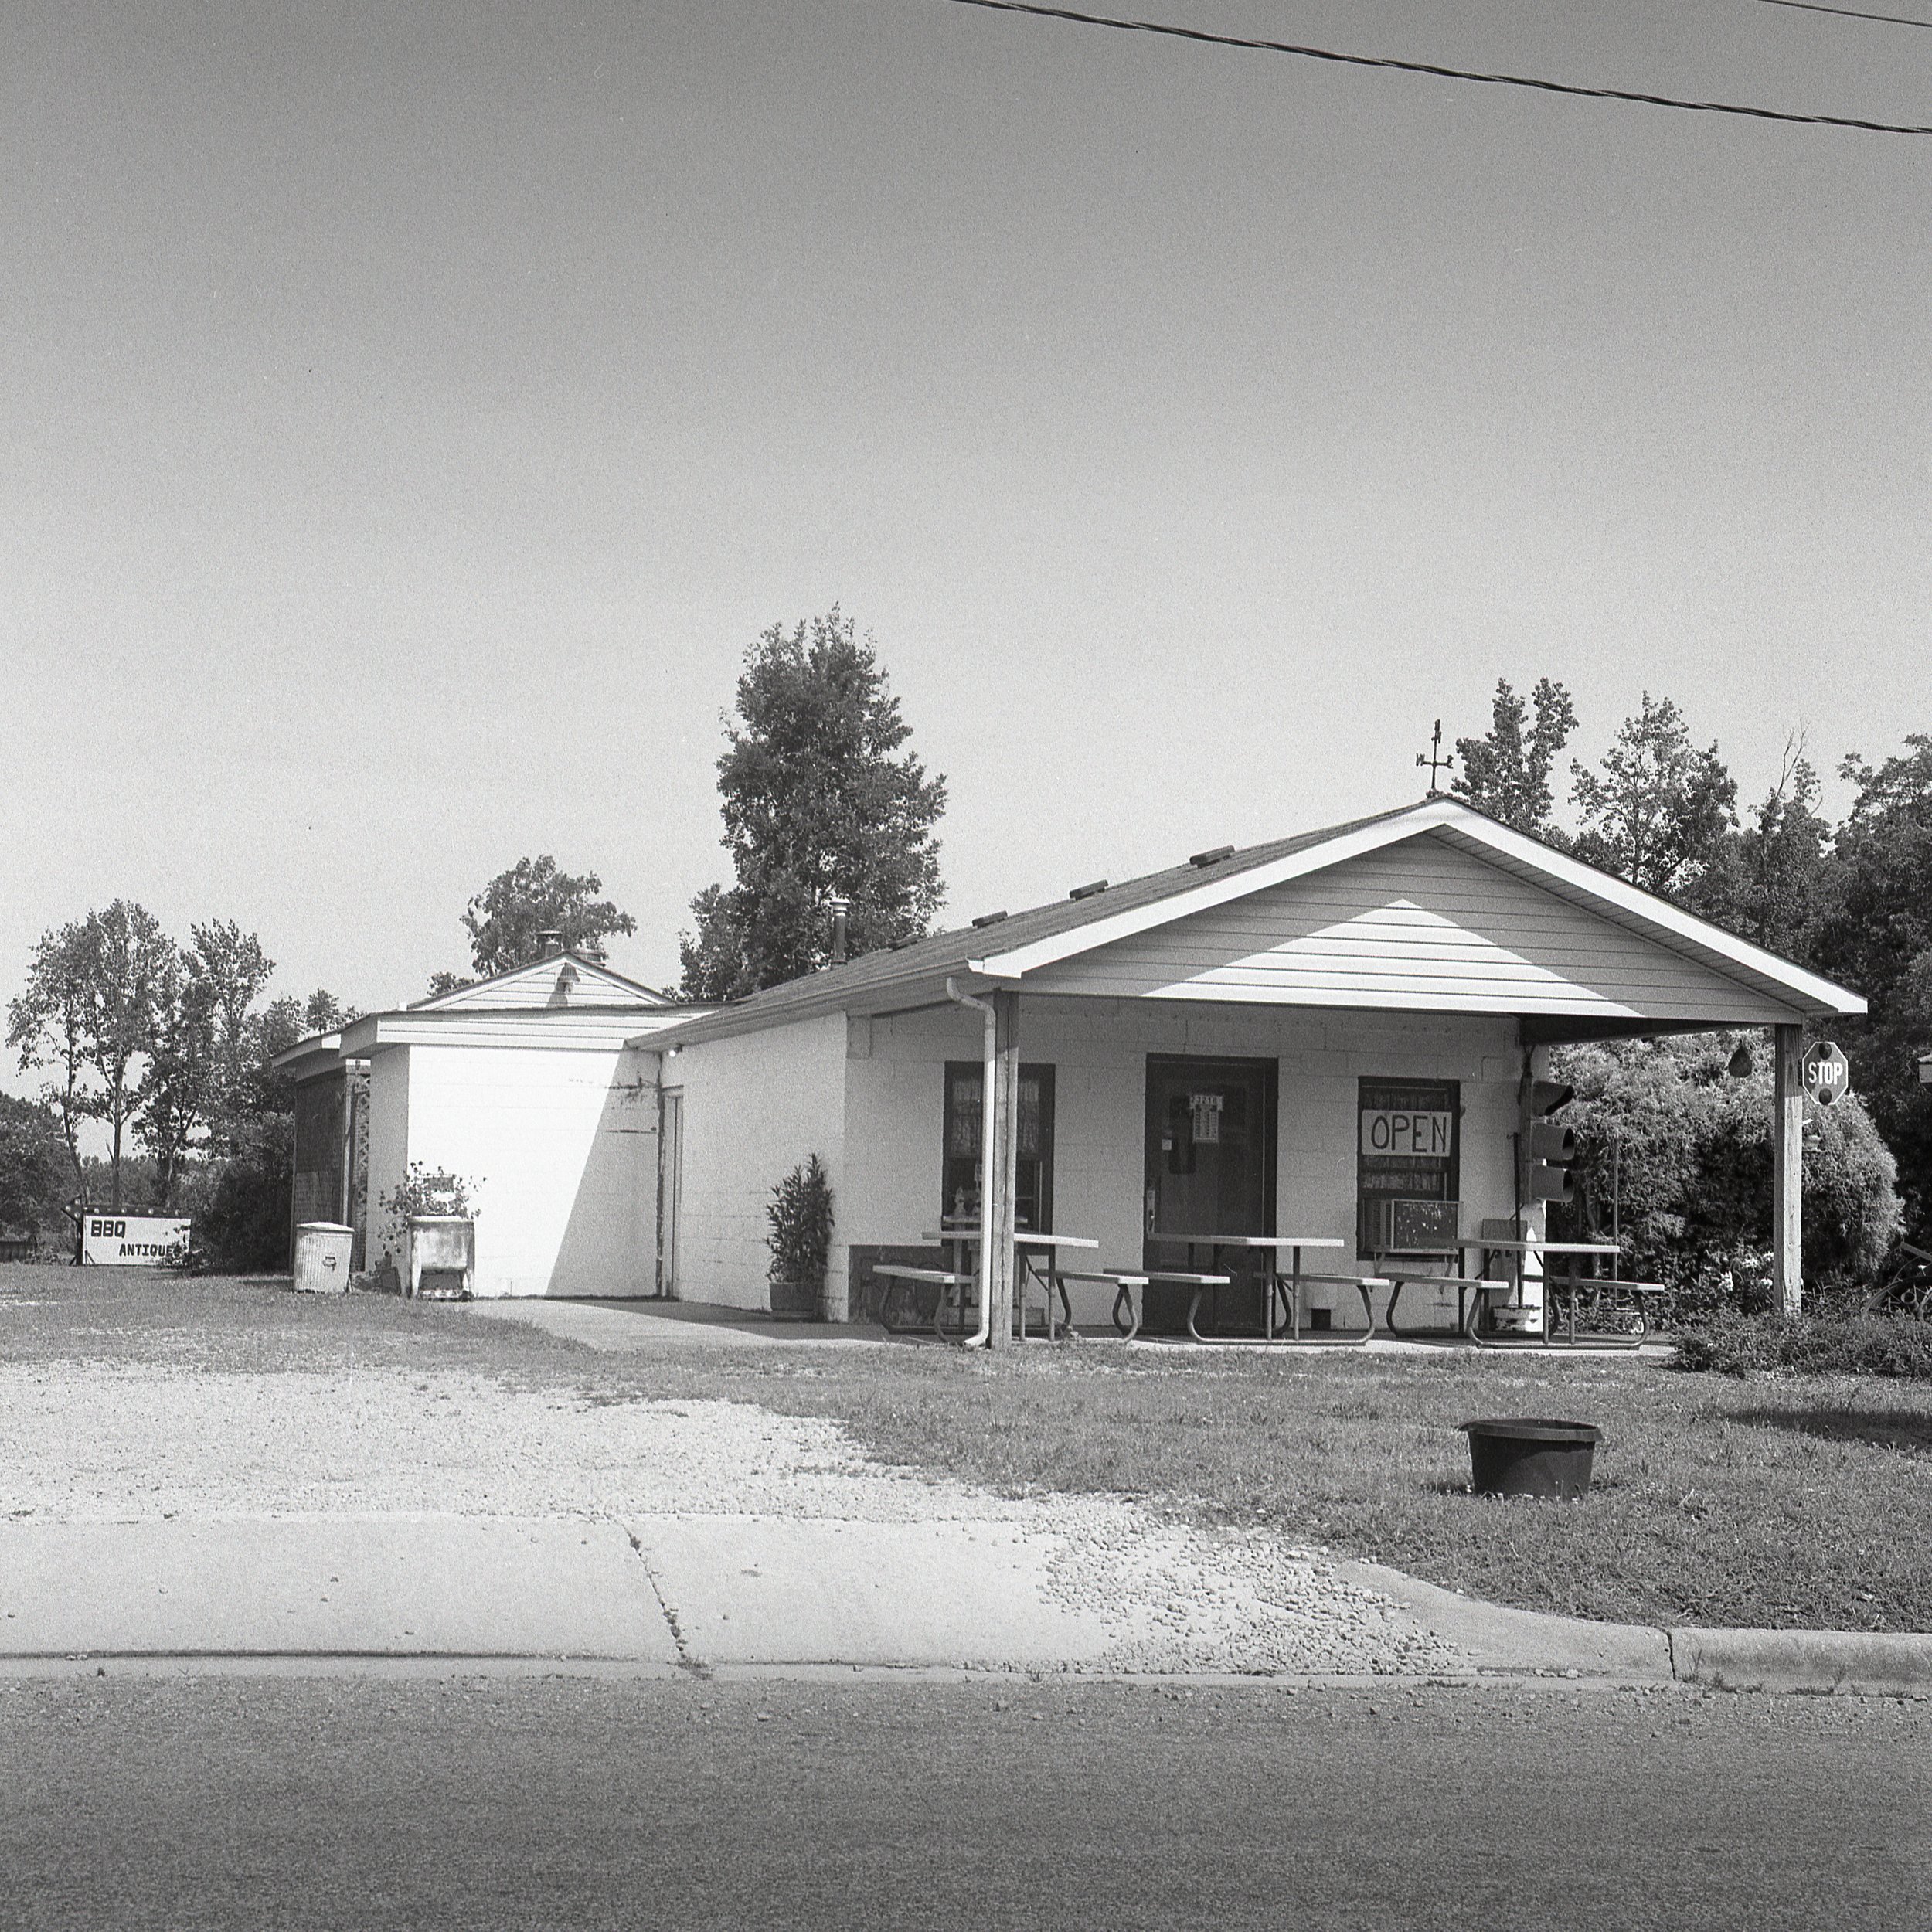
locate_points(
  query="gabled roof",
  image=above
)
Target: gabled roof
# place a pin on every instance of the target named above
(561, 979)
(566, 1001)
(1006, 952)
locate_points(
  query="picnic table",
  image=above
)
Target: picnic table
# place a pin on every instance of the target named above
(1038, 1251)
(1565, 1290)
(1281, 1289)
(1482, 1294)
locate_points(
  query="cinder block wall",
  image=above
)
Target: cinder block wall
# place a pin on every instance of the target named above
(755, 1106)
(1098, 1048)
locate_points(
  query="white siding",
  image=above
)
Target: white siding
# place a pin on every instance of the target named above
(389, 1144)
(536, 986)
(755, 1106)
(1420, 926)
(564, 1144)
(1098, 1048)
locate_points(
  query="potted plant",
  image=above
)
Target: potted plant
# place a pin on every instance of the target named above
(430, 1224)
(800, 1212)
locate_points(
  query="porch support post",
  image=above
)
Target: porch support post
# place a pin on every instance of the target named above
(997, 1216)
(1788, 1172)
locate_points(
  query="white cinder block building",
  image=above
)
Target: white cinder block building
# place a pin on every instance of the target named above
(1268, 1041)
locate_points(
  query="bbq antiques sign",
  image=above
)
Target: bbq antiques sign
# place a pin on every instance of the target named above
(132, 1240)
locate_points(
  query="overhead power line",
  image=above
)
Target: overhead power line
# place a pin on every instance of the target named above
(1847, 13)
(1202, 36)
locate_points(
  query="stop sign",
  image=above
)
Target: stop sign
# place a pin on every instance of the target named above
(1824, 1073)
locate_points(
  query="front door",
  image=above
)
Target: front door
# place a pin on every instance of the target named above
(1210, 1170)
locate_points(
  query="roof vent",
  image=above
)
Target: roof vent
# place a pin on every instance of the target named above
(1213, 858)
(1089, 891)
(989, 918)
(550, 943)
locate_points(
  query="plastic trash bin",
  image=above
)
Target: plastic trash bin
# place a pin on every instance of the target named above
(322, 1251)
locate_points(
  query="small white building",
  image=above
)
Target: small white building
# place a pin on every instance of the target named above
(525, 1085)
(1224, 1045)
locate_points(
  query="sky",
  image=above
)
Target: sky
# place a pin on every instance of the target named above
(410, 415)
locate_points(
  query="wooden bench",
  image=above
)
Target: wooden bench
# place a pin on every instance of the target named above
(1129, 1287)
(903, 1282)
(1469, 1289)
(1286, 1287)
(1127, 1283)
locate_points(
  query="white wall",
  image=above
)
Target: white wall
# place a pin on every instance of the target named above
(1099, 1049)
(389, 1140)
(755, 1106)
(564, 1143)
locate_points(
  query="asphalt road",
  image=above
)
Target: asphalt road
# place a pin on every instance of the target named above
(479, 1803)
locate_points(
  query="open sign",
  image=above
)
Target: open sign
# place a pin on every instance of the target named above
(1413, 1133)
(1824, 1073)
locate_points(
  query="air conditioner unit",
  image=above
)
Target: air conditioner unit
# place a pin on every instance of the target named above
(1410, 1227)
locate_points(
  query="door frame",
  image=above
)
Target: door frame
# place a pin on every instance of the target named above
(1271, 1070)
(670, 1187)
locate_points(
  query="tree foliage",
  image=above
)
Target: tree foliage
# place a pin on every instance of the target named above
(1679, 1154)
(90, 1009)
(36, 1171)
(1506, 774)
(820, 798)
(1876, 935)
(1657, 811)
(503, 921)
(1770, 880)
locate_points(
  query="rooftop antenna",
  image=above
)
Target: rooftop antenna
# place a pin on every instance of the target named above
(1438, 761)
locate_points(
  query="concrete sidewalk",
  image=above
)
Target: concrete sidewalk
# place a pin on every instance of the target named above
(668, 1593)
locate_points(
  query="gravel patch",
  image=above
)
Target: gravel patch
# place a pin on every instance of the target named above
(131, 1444)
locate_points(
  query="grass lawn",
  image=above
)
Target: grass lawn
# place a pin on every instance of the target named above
(1803, 1502)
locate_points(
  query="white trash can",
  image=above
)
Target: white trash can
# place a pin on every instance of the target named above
(322, 1252)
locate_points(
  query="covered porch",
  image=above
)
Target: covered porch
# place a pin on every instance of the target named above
(1292, 1042)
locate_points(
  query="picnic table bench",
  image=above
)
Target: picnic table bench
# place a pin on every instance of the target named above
(909, 1285)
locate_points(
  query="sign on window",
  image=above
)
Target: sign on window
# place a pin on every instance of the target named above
(1408, 1144)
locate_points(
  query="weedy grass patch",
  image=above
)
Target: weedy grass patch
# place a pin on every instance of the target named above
(1796, 1501)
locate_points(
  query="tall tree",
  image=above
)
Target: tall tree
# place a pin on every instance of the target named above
(503, 921)
(820, 798)
(47, 1026)
(175, 1092)
(34, 1176)
(1506, 774)
(1658, 811)
(1770, 880)
(230, 971)
(1876, 935)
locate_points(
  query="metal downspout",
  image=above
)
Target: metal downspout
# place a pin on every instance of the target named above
(978, 1338)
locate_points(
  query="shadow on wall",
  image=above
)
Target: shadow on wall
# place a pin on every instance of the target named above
(610, 1241)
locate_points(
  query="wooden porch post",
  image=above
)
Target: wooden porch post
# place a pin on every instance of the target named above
(997, 1216)
(1788, 1172)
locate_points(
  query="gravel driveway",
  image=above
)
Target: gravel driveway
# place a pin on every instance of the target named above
(119, 1444)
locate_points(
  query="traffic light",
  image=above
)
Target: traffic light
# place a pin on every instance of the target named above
(1553, 1146)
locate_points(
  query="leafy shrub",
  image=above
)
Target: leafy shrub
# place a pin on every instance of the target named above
(1727, 1343)
(244, 1227)
(800, 1212)
(1688, 1150)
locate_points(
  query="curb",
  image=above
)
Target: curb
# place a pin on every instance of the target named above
(1870, 1663)
(1501, 1641)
